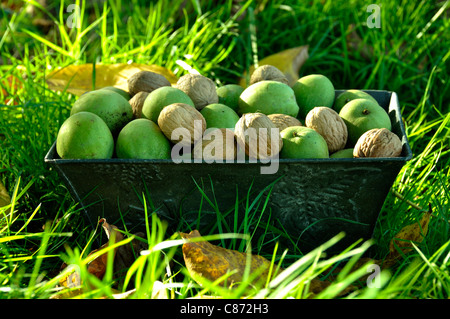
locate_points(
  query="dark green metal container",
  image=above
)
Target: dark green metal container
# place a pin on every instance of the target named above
(312, 199)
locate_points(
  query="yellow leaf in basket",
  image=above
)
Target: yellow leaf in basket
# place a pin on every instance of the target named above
(77, 79)
(288, 61)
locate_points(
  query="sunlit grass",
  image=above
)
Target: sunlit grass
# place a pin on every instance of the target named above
(43, 227)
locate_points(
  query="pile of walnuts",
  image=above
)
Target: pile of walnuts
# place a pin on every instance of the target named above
(202, 91)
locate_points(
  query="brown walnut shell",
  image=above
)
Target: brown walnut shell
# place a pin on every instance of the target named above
(258, 136)
(137, 102)
(330, 125)
(283, 121)
(268, 73)
(199, 88)
(182, 123)
(378, 143)
(146, 81)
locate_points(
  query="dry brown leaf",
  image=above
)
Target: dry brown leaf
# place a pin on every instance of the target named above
(415, 233)
(97, 267)
(72, 279)
(124, 256)
(288, 61)
(5, 199)
(77, 79)
(207, 261)
(399, 245)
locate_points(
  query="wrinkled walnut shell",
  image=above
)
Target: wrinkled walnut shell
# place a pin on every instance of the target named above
(378, 143)
(137, 102)
(182, 123)
(268, 73)
(199, 88)
(283, 121)
(146, 81)
(330, 125)
(254, 133)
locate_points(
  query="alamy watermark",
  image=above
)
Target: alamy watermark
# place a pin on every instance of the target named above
(374, 279)
(73, 21)
(374, 20)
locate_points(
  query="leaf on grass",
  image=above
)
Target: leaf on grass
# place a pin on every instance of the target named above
(9, 86)
(97, 267)
(400, 245)
(207, 261)
(77, 79)
(288, 61)
(413, 233)
(72, 278)
(124, 256)
(5, 199)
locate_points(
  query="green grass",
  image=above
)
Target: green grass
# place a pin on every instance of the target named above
(43, 227)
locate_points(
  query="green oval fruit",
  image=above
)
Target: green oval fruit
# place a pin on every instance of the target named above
(229, 95)
(142, 139)
(349, 95)
(112, 108)
(345, 153)
(311, 91)
(219, 116)
(161, 97)
(268, 97)
(84, 135)
(303, 142)
(124, 93)
(361, 115)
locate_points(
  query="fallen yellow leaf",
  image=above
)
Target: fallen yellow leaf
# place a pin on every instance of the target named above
(207, 261)
(211, 262)
(416, 232)
(77, 79)
(288, 61)
(4, 196)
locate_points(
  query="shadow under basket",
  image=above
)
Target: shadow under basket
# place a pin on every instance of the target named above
(310, 200)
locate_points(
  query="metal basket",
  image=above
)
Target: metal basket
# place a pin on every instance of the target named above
(310, 199)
